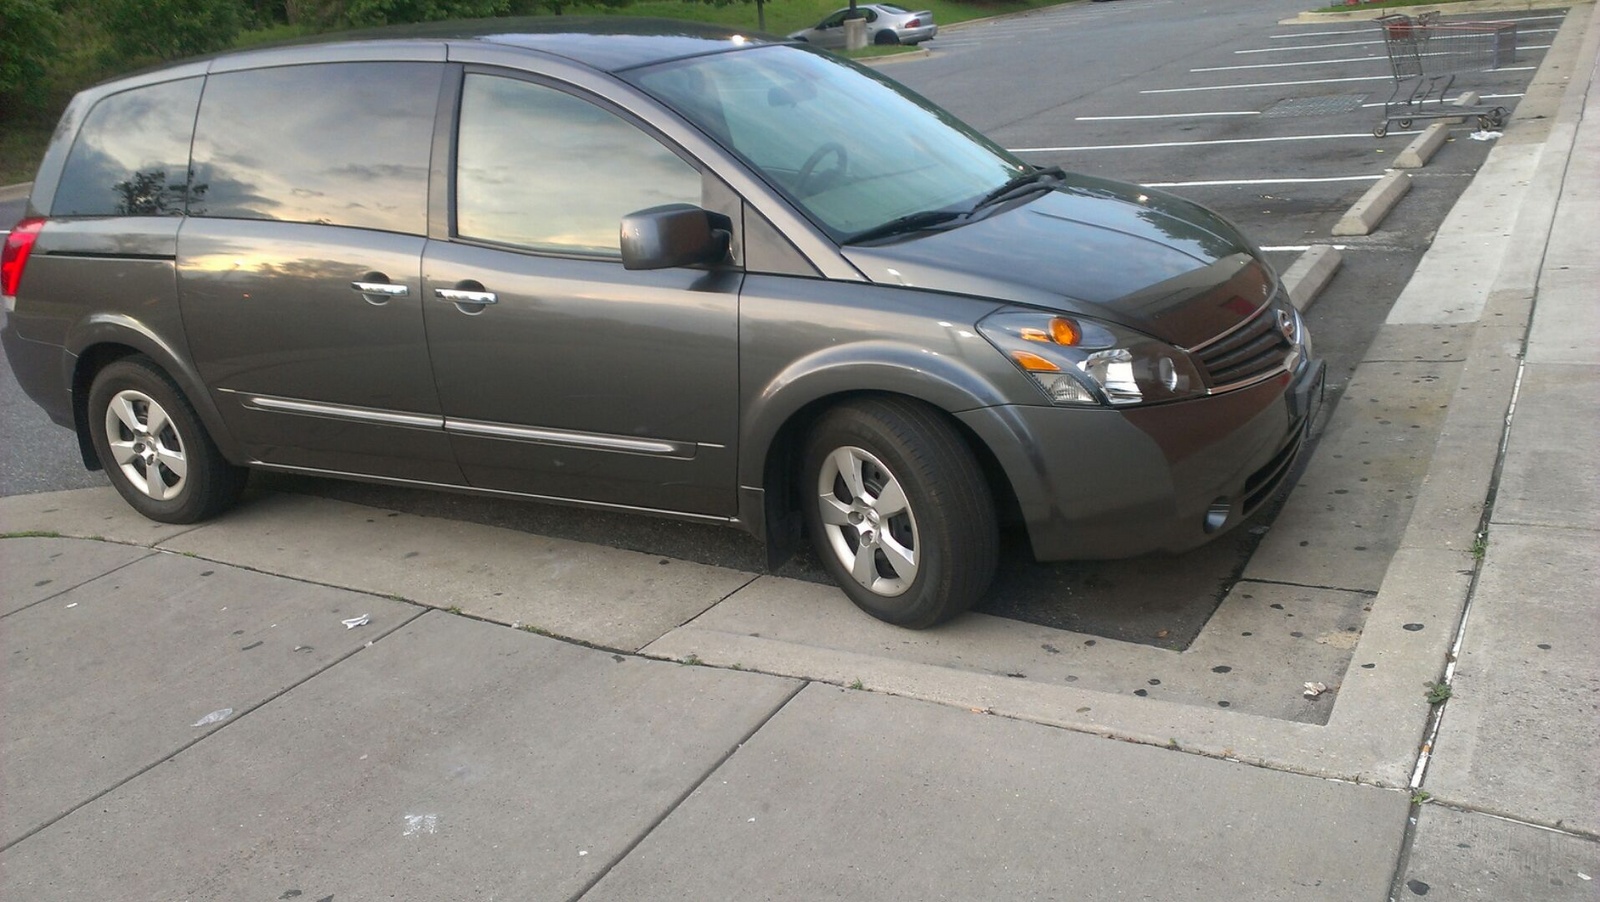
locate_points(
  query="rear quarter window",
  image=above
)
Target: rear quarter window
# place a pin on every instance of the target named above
(345, 144)
(131, 157)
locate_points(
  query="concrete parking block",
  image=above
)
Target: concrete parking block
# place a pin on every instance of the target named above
(849, 795)
(109, 678)
(33, 569)
(1310, 273)
(1521, 728)
(97, 513)
(1373, 206)
(1549, 477)
(1423, 147)
(453, 760)
(593, 593)
(1463, 855)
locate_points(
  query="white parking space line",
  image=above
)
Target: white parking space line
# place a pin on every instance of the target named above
(1267, 181)
(1366, 29)
(1378, 41)
(1170, 115)
(1268, 140)
(1313, 81)
(1348, 59)
(1453, 99)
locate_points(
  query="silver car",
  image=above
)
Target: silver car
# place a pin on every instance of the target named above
(886, 24)
(755, 310)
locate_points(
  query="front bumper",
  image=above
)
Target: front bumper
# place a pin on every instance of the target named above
(1099, 483)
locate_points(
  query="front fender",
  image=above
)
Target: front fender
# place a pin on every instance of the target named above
(864, 367)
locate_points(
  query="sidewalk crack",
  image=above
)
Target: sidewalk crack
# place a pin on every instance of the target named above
(684, 796)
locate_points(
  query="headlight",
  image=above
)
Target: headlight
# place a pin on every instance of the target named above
(1078, 361)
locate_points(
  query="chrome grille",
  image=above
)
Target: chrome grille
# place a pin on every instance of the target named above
(1255, 349)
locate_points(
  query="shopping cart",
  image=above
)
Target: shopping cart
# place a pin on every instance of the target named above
(1427, 55)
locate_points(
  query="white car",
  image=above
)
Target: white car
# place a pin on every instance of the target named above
(886, 24)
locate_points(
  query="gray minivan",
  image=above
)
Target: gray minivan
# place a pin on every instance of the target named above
(651, 267)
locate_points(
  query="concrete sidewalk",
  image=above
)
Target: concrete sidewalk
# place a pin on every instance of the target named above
(189, 715)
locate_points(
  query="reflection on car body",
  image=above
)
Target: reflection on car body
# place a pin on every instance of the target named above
(751, 310)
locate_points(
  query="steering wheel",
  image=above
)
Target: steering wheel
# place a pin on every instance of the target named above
(808, 170)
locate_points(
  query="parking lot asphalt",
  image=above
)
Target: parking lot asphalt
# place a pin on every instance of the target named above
(434, 753)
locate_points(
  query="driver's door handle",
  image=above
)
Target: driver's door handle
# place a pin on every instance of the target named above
(462, 296)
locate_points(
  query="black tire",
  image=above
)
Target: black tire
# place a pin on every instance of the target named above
(944, 534)
(1380, 130)
(173, 472)
(885, 38)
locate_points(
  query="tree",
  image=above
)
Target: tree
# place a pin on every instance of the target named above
(170, 29)
(28, 30)
(393, 12)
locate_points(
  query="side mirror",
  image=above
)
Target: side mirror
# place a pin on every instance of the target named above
(673, 235)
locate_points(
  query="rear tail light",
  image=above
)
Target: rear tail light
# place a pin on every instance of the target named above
(914, 23)
(19, 244)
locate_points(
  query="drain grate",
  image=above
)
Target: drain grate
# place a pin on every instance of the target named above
(1331, 105)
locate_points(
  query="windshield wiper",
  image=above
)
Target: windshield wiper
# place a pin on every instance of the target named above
(1018, 185)
(913, 222)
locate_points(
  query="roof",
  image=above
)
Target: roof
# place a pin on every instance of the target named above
(608, 43)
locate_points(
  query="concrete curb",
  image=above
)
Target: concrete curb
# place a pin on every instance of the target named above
(1374, 205)
(1304, 280)
(1467, 6)
(916, 54)
(15, 192)
(1421, 149)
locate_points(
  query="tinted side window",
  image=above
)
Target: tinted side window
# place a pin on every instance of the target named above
(539, 168)
(338, 144)
(131, 157)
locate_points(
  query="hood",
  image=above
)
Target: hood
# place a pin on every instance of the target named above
(1105, 249)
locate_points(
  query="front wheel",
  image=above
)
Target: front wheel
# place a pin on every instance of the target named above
(153, 446)
(899, 512)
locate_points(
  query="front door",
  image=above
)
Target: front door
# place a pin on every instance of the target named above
(560, 373)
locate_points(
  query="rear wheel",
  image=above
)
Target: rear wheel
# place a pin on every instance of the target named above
(886, 37)
(899, 511)
(154, 448)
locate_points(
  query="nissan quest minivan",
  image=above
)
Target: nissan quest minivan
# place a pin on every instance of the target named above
(650, 267)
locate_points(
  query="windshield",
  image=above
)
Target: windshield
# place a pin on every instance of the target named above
(852, 150)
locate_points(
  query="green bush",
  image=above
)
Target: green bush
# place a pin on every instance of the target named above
(28, 30)
(391, 12)
(170, 29)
